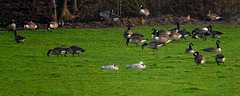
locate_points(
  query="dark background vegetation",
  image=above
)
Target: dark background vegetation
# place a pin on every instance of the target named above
(40, 10)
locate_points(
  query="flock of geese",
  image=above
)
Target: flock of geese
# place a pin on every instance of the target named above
(51, 26)
(160, 37)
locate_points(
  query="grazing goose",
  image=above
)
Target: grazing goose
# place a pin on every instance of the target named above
(199, 59)
(60, 23)
(11, 26)
(143, 12)
(75, 50)
(30, 25)
(136, 39)
(153, 45)
(213, 49)
(201, 34)
(52, 25)
(214, 34)
(213, 16)
(112, 17)
(110, 67)
(139, 65)
(190, 50)
(220, 58)
(57, 51)
(194, 31)
(18, 38)
(127, 34)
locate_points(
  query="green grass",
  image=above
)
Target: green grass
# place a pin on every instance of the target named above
(25, 69)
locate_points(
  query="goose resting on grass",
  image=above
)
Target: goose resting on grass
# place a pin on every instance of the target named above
(139, 65)
(110, 67)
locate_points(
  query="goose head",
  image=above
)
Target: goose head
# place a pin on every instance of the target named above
(48, 53)
(145, 44)
(195, 53)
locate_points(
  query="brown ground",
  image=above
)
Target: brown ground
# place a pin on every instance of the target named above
(39, 11)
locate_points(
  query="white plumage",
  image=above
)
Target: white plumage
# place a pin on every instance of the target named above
(139, 65)
(110, 67)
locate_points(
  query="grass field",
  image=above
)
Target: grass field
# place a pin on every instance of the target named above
(25, 68)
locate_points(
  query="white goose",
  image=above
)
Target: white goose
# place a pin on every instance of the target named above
(140, 65)
(110, 67)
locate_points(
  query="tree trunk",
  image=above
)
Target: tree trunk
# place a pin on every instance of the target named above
(54, 11)
(62, 11)
(73, 6)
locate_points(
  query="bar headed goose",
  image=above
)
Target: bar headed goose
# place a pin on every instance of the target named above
(213, 49)
(220, 58)
(199, 59)
(153, 45)
(18, 38)
(57, 51)
(110, 67)
(139, 65)
(190, 49)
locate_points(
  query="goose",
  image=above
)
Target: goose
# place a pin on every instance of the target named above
(220, 58)
(199, 59)
(112, 17)
(213, 49)
(75, 50)
(18, 38)
(127, 33)
(110, 67)
(104, 14)
(175, 36)
(136, 39)
(175, 30)
(214, 34)
(136, 34)
(153, 45)
(11, 26)
(57, 51)
(139, 65)
(213, 16)
(194, 31)
(30, 25)
(60, 23)
(200, 34)
(190, 50)
(52, 25)
(163, 38)
(206, 28)
(185, 34)
(143, 12)
(157, 33)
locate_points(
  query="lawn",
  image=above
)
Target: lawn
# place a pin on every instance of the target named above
(25, 68)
